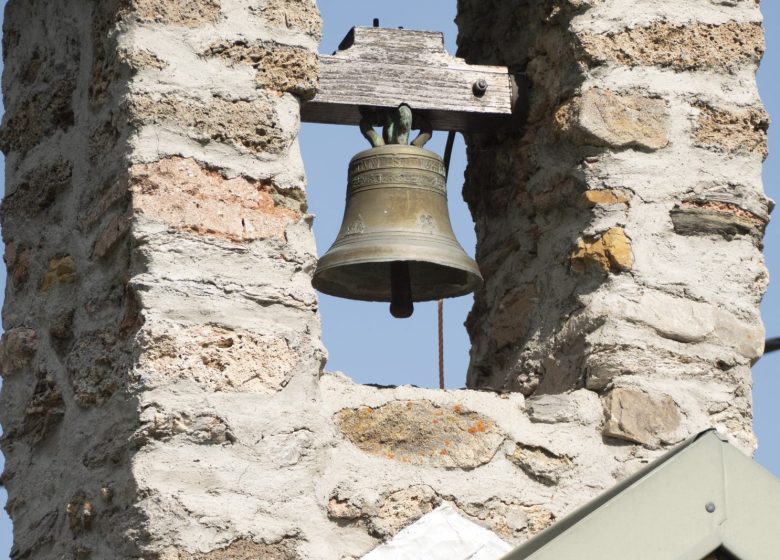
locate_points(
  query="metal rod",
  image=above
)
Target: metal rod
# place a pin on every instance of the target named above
(447, 158)
(441, 344)
(772, 345)
(448, 153)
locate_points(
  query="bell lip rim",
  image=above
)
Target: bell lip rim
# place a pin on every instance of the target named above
(474, 281)
(471, 289)
(386, 147)
(470, 270)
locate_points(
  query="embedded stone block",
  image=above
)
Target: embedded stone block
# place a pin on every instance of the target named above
(637, 417)
(422, 433)
(45, 409)
(251, 126)
(221, 359)
(106, 67)
(539, 518)
(343, 509)
(402, 508)
(39, 116)
(18, 347)
(610, 252)
(241, 549)
(733, 131)
(110, 237)
(279, 67)
(540, 463)
(114, 194)
(301, 16)
(61, 328)
(104, 137)
(37, 191)
(601, 117)
(717, 218)
(696, 46)
(190, 198)
(17, 260)
(20, 270)
(80, 512)
(511, 520)
(605, 197)
(672, 318)
(143, 59)
(581, 406)
(41, 80)
(508, 323)
(97, 367)
(508, 519)
(62, 270)
(186, 13)
(203, 428)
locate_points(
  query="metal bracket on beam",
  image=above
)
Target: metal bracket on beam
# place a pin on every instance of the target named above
(376, 69)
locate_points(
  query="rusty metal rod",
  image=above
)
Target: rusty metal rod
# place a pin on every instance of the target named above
(441, 344)
(447, 158)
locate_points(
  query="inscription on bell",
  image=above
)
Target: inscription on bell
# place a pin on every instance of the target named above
(383, 162)
(389, 178)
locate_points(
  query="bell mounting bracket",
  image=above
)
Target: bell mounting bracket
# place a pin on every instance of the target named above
(378, 69)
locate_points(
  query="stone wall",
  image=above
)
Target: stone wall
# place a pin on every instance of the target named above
(620, 232)
(163, 387)
(159, 255)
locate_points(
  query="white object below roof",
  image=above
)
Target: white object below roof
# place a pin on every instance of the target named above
(442, 535)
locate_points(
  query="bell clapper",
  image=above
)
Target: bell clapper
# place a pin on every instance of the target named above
(401, 302)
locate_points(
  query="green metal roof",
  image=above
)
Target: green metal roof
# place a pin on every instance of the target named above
(701, 496)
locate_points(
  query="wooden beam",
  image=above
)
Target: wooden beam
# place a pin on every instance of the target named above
(377, 68)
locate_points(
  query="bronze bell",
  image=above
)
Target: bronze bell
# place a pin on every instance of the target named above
(396, 242)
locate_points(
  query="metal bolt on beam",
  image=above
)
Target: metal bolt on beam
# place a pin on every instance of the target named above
(480, 88)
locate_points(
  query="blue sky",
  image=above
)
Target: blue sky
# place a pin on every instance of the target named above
(362, 339)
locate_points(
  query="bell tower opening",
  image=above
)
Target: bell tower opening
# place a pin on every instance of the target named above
(362, 338)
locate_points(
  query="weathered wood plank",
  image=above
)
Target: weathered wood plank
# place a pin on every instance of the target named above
(382, 68)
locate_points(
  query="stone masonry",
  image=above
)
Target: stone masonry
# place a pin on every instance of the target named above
(620, 232)
(163, 388)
